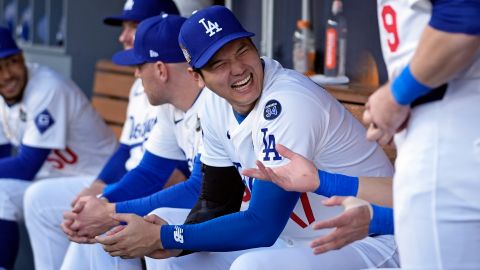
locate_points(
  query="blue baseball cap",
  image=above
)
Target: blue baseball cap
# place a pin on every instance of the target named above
(155, 40)
(139, 10)
(7, 44)
(206, 32)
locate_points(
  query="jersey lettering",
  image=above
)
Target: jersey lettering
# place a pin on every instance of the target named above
(269, 146)
(212, 28)
(59, 158)
(389, 20)
(140, 130)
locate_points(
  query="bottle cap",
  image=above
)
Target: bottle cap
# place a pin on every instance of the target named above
(303, 24)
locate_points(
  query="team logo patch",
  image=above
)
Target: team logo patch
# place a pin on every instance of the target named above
(272, 109)
(44, 121)
(186, 54)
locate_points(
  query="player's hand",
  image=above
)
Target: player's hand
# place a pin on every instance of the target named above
(140, 237)
(384, 115)
(300, 174)
(350, 226)
(91, 216)
(93, 190)
(72, 234)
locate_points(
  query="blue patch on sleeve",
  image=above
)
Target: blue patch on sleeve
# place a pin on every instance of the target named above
(44, 121)
(272, 109)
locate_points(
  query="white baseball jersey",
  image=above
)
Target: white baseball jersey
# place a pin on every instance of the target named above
(178, 134)
(401, 23)
(140, 120)
(297, 113)
(55, 114)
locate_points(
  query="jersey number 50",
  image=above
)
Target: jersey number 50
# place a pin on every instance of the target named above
(60, 158)
(389, 21)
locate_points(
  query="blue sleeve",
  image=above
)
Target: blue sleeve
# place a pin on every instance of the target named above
(332, 184)
(5, 150)
(115, 167)
(148, 177)
(259, 226)
(181, 195)
(459, 16)
(25, 165)
(382, 221)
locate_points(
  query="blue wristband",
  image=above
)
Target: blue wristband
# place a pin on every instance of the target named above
(406, 89)
(336, 184)
(382, 221)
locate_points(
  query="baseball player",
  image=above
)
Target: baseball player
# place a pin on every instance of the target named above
(431, 49)
(57, 134)
(256, 104)
(46, 201)
(177, 136)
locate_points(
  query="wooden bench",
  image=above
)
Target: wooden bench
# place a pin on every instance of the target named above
(111, 89)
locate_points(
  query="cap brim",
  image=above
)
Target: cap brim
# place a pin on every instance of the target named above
(127, 58)
(8, 53)
(211, 51)
(115, 20)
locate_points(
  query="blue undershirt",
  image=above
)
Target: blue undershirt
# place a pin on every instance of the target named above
(459, 16)
(149, 176)
(25, 165)
(181, 195)
(115, 167)
(5, 150)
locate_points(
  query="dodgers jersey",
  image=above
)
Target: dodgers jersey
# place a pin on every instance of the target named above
(178, 134)
(401, 23)
(293, 111)
(140, 120)
(55, 114)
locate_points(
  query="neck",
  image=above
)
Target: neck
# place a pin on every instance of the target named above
(186, 93)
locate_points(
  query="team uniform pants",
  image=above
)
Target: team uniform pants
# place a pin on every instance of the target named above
(44, 203)
(368, 253)
(437, 182)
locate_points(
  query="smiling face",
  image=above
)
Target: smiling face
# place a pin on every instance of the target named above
(13, 78)
(235, 73)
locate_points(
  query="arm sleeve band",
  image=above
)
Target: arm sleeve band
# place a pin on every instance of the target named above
(460, 16)
(181, 195)
(406, 89)
(25, 165)
(115, 167)
(5, 150)
(336, 184)
(382, 221)
(260, 225)
(148, 177)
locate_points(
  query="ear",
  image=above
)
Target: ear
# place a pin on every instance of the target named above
(161, 70)
(196, 77)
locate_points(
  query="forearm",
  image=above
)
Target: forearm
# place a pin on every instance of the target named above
(259, 226)
(25, 165)
(147, 178)
(376, 190)
(434, 64)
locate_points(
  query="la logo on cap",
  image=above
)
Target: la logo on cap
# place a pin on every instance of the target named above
(212, 28)
(128, 5)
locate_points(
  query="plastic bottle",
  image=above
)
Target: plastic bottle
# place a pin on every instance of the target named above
(304, 48)
(336, 42)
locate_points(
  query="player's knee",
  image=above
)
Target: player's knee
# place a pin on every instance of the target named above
(250, 261)
(34, 198)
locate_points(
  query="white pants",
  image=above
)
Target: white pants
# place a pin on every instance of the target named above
(44, 203)
(93, 257)
(437, 183)
(11, 198)
(368, 253)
